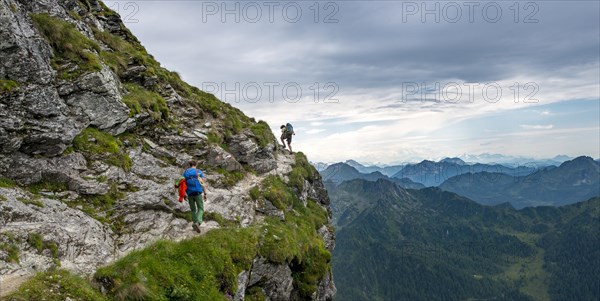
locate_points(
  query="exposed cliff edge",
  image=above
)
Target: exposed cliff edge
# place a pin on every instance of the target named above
(94, 132)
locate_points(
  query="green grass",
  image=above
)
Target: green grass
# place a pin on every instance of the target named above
(529, 272)
(274, 190)
(291, 238)
(7, 85)
(86, 4)
(74, 15)
(216, 139)
(31, 201)
(7, 183)
(12, 250)
(255, 293)
(47, 185)
(53, 249)
(35, 240)
(302, 170)
(202, 268)
(140, 100)
(230, 178)
(215, 216)
(92, 141)
(56, 285)
(255, 193)
(295, 240)
(69, 45)
(104, 142)
(263, 133)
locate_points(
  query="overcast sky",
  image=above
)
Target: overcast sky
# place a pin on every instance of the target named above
(397, 81)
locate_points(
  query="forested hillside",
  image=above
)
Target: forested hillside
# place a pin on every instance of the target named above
(433, 245)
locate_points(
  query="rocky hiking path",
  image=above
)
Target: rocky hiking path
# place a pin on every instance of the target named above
(85, 243)
(227, 201)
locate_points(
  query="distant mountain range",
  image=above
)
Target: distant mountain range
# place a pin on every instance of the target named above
(490, 159)
(430, 173)
(429, 244)
(522, 186)
(514, 160)
(573, 181)
(386, 170)
(340, 172)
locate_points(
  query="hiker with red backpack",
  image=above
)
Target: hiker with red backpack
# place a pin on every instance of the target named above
(286, 135)
(191, 187)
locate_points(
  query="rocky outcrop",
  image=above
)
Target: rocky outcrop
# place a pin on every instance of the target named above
(274, 279)
(86, 204)
(82, 242)
(44, 116)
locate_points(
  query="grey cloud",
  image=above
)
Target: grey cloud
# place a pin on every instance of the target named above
(370, 48)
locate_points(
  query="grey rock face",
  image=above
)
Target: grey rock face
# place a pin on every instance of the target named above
(95, 99)
(25, 55)
(42, 117)
(247, 151)
(325, 289)
(243, 148)
(242, 282)
(220, 158)
(275, 279)
(83, 242)
(328, 237)
(267, 208)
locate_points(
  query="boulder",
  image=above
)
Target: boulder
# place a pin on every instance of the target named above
(275, 279)
(218, 157)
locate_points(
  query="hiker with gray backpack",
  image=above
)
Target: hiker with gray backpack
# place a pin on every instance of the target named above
(286, 135)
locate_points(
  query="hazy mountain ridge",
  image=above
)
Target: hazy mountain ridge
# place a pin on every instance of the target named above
(431, 173)
(573, 181)
(488, 159)
(340, 172)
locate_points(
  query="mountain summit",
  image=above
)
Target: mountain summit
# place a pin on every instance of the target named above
(95, 132)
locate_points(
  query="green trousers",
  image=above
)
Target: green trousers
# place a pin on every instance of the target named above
(197, 207)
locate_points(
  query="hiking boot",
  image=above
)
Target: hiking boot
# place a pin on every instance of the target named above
(196, 228)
